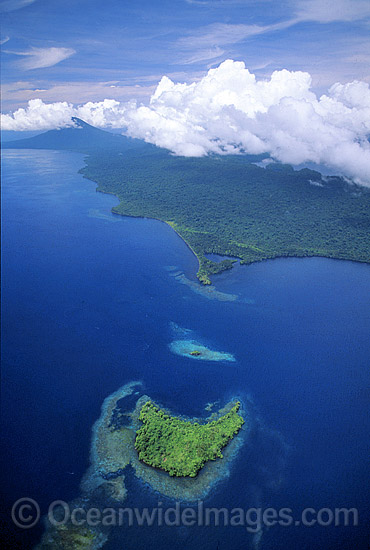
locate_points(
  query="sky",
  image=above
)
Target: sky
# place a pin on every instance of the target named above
(197, 76)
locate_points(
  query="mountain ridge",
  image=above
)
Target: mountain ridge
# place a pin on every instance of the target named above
(82, 137)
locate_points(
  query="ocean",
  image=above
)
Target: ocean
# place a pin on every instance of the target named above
(89, 303)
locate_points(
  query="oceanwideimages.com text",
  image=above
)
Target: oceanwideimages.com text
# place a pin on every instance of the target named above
(26, 514)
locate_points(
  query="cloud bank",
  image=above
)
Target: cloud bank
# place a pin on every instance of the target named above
(230, 111)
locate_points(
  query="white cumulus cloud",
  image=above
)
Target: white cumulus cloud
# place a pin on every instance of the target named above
(230, 111)
(48, 116)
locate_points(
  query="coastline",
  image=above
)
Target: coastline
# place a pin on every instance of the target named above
(206, 281)
(172, 225)
(203, 274)
(247, 377)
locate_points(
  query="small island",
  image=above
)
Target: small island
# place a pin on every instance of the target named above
(181, 447)
(195, 350)
(131, 424)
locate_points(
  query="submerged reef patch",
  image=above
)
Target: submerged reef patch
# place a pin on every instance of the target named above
(187, 345)
(111, 444)
(68, 536)
(105, 216)
(195, 350)
(207, 291)
(104, 481)
(113, 449)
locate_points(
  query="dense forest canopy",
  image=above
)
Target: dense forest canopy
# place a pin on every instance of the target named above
(230, 206)
(227, 205)
(181, 447)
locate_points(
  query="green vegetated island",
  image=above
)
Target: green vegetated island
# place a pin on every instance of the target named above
(178, 457)
(181, 447)
(225, 205)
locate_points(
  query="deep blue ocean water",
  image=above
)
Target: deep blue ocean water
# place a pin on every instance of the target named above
(88, 300)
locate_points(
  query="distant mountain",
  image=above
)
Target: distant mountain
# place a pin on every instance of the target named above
(82, 138)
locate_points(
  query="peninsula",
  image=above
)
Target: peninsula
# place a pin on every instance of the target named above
(233, 206)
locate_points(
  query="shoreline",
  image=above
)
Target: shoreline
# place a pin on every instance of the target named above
(205, 278)
(172, 224)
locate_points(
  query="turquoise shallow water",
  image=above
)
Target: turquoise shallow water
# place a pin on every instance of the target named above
(89, 302)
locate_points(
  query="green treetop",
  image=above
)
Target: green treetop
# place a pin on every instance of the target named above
(181, 447)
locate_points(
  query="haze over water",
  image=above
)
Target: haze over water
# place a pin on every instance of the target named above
(89, 300)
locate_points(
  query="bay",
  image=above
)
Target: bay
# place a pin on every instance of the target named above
(89, 303)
